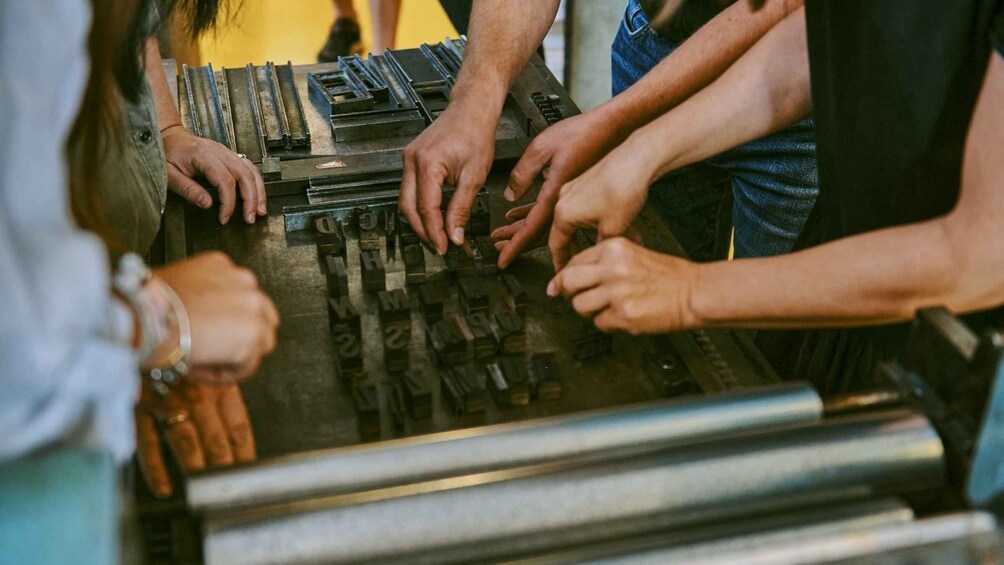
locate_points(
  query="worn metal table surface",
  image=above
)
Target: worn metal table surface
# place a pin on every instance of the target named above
(297, 403)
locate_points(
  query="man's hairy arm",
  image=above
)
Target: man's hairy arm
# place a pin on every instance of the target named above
(459, 146)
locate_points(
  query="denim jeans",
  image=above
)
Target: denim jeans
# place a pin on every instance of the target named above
(773, 179)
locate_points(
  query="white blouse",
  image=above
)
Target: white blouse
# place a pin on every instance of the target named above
(61, 382)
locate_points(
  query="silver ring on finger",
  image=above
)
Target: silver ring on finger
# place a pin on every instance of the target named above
(242, 156)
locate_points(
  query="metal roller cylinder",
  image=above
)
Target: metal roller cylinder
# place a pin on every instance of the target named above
(809, 545)
(595, 434)
(881, 452)
(743, 535)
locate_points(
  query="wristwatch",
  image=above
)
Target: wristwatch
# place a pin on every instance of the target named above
(165, 333)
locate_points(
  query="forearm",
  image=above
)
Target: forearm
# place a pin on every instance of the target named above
(503, 35)
(764, 91)
(695, 64)
(954, 261)
(878, 277)
(167, 111)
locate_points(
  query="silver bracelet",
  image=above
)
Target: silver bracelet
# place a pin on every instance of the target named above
(176, 364)
(159, 311)
(130, 281)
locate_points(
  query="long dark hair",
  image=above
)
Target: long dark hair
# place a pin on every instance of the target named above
(119, 30)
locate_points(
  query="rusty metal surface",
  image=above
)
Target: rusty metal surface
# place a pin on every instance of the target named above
(297, 402)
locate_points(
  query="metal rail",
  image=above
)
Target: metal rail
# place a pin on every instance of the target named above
(747, 535)
(807, 545)
(206, 109)
(601, 433)
(296, 121)
(491, 512)
(239, 87)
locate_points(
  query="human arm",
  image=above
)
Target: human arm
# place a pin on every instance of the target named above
(764, 91)
(459, 146)
(883, 276)
(571, 146)
(189, 155)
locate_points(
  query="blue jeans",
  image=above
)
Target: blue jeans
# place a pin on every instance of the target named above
(773, 179)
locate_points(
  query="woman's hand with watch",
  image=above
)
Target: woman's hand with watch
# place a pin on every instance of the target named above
(232, 322)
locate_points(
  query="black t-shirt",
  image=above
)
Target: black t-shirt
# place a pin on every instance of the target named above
(894, 84)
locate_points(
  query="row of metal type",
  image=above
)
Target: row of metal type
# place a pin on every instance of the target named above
(733, 476)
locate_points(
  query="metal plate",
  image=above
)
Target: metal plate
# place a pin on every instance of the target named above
(298, 403)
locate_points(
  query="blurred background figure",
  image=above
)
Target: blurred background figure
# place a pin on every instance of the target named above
(345, 37)
(280, 31)
(383, 17)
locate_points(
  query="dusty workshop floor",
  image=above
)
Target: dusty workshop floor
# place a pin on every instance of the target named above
(281, 30)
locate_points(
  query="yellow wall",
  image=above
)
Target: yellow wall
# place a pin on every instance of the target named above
(295, 30)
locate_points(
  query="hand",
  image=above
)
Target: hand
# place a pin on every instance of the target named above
(605, 199)
(517, 236)
(623, 286)
(457, 148)
(189, 155)
(203, 424)
(233, 322)
(559, 154)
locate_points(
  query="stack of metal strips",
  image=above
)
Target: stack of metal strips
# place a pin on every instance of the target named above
(252, 110)
(654, 482)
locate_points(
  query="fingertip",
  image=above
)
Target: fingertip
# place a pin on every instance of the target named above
(205, 201)
(508, 194)
(458, 235)
(552, 288)
(162, 490)
(504, 261)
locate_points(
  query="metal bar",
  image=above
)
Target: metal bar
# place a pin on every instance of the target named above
(205, 98)
(246, 130)
(462, 452)
(276, 93)
(393, 81)
(487, 512)
(375, 124)
(190, 96)
(296, 121)
(789, 526)
(276, 131)
(226, 108)
(443, 61)
(255, 100)
(809, 546)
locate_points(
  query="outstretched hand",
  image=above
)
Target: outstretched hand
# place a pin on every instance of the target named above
(457, 148)
(558, 155)
(189, 155)
(622, 286)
